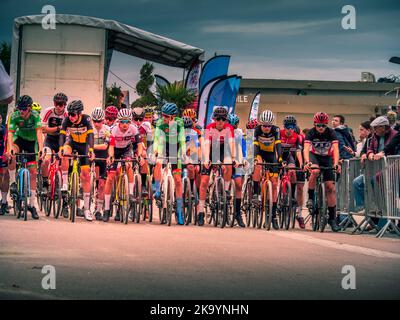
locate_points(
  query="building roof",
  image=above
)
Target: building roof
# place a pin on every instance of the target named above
(127, 39)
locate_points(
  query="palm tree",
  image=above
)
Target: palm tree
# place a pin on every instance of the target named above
(175, 93)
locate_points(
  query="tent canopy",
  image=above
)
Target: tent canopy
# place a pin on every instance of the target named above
(127, 39)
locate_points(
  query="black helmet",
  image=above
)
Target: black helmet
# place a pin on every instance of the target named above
(75, 106)
(187, 122)
(289, 120)
(60, 98)
(24, 101)
(220, 111)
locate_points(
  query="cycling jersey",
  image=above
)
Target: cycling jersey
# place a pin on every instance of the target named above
(24, 128)
(101, 136)
(290, 145)
(166, 134)
(81, 132)
(267, 142)
(146, 132)
(123, 140)
(192, 143)
(51, 119)
(321, 144)
(216, 136)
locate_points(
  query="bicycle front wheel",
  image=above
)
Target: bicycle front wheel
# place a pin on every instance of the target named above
(247, 201)
(187, 201)
(231, 204)
(322, 207)
(169, 200)
(73, 196)
(267, 204)
(221, 203)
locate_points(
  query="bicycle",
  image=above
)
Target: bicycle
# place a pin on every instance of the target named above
(319, 211)
(167, 193)
(74, 184)
(220, 203)
(54, 196)
(136, 204)
(20, 200)
(189, 198)
(286, 206)
(265, 207)
(247, 202)
(147, 200)
(40, 195)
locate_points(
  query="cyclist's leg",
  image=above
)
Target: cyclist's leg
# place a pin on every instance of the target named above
(12, 166)
(274, 173)
(107, 191)
(4, 184)
(65, 166)
(328, 177)
(204, 180)
(257, 176)
(238, 178)
(312, 179)
(177, 174)
(101, 179)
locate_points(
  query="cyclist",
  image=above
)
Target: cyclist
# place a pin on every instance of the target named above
(124, 139)
(36, 107)
(192, 114)
(51, 126)
(24, 131)
(101, 142)
(219, 146)
(80, 129)
(4, 176)
(292, 155)
(148, 114)
(240, 145)
(146, 134)
(267, 148)
(321, 148)
(193, 148)
(169, 141)
(111, 114)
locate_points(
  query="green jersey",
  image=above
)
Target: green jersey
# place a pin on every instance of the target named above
(172, 133)
(25, 128)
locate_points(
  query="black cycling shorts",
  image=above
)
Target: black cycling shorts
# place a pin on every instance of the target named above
(26, 146)
(120, 154)
(81, 148)
(269, 157)
(323, 161)
(52, 143)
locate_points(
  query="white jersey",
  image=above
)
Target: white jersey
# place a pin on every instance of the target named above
(121, 140)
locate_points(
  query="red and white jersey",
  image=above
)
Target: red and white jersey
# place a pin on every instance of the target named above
(122, 140)
(214, 135)
(51, 119)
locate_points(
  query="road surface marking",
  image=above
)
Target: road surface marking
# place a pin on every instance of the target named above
(339, 246)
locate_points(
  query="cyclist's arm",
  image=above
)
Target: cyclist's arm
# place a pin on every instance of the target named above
(63, 133)
(306, 151)
(138, 138)
(278, 146)
(232, 143)
(335, 153)
(111, 147)
(298, 151)
(90, 136)
(39, 138)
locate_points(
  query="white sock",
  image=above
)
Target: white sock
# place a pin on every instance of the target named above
(32, 198)
(99, 205)
(107, 199)
(201, 205)
(12, 175)
(65, 179)
(131, 187)
(86, 201)
(4, 197)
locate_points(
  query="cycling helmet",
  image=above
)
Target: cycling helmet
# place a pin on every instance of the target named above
(148, 111)
(188, 122)
(289, 120)
(60, 98)
(252, 124)
(169, 109)
(24, 101)
(125, 114)
(98, 114)
(233, 119)
(111, 112)
(75, 106)
(191, 113)
(321, 117)
(220, 111)
(138, 112)
(37, 107)
(267, 117)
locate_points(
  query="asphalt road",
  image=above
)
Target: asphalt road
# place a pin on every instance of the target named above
(96, 260)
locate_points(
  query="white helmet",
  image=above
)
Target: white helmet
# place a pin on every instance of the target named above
(98, 114)
(125, 114)
(267, 117)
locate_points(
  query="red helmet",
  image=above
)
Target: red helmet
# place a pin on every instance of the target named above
(111, 112)
(321, 117)
(252, 124)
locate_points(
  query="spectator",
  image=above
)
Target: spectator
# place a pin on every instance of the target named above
(6, 86)
(381, 137)
(364, 132)
(391, 115)
(346, 143)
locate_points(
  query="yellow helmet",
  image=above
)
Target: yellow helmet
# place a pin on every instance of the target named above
(37, 107)
(191, 113)
(148, 111)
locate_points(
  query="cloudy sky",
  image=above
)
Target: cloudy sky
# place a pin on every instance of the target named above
(273, 39)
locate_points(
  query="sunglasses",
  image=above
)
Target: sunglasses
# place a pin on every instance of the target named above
(23, 108)
(110, 119)
(266, 125)
(220, 119)
(321, 125)
(290, 127)
(168, 116)
(60, 105)
(72, 114)
(125, 121)
(138, 119)
(97, 121)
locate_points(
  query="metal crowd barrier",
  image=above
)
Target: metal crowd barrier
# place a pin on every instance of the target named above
(381, 194)
(345, 205)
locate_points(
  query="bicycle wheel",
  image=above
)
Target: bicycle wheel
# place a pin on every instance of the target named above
(221, 204)
(48, 205)
(267, 204)
(123, 199)
(284, 205)
(315, 214)
(57, 195)
(137, 198)
(195, 202)
(73, 198)
(93, 189)
(169, 200)
(322, 207)
(231, 204)
(247, 201)
(294, 212)
(187, 201)
(26, 193)
(39, 191)
(149, 200)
